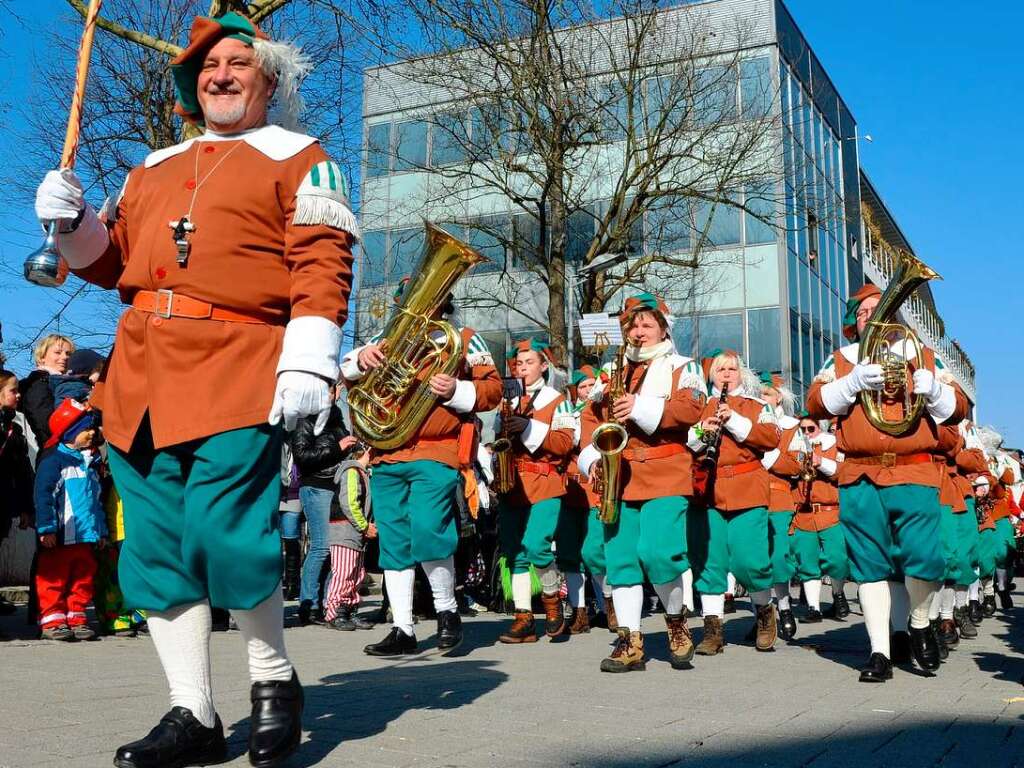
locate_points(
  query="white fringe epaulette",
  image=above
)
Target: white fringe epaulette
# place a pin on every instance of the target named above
(767, 415)
(692, 377)
(322, 198)
(477, 352)
(565, 416)
(827, 374)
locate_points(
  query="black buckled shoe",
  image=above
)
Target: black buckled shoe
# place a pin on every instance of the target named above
(177, 740)
(924, 647)
(877, 670)
(275, 726)
(449, 631)
(397, 643)
(787, 625)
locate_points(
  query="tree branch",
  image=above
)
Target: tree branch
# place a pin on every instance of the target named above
(128, 34)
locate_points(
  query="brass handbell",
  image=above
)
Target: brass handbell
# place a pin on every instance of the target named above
(45, 266)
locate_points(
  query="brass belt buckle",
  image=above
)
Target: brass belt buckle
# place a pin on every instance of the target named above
(888, 460)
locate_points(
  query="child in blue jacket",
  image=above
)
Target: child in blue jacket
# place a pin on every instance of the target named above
(69, 521)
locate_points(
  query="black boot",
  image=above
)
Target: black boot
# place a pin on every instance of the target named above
(964, 624)
(310, 615)
(449, 631)
(178, 739)
(292, 567)
(1005, 600)
(787, 625)
(974, 613)
(343, 621)
(813, 617)
(397, 643)
(948, 634)
(877, 670)
(988, 606)
(275, 726)
(936, 634)
(899, 647)
(840, 608)
(925, 648)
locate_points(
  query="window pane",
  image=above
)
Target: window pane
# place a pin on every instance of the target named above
(580, 234)
(668, 226)
(488, 129)
(794, 344)
(377, 149)
(809, 370)
(406, 248)
(756, 88)
(720, 332)
(714, 98)
(724, 225)
(495, 341)
(614, 110)
(683, 336)
(760, 200)
(764, 335)
(793, 278)
(525, 240)
(410, 145)
(372, 263)
(489, 235)
(449, 138)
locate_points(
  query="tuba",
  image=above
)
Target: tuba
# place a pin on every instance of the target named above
(391, 402)
(883, 342)
(610, 440)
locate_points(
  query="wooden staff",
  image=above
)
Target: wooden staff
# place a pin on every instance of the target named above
(67, 159)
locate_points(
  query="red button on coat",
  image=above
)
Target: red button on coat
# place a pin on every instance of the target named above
(158, 321)
(209, 150)
(161, 273)
(190, 184)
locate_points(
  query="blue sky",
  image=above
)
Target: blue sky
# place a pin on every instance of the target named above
(934, 84)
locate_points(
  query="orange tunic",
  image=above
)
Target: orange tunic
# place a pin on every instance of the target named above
(542, 452)
(200, 377)
(817, 501)
(950, 444)
(782, 471)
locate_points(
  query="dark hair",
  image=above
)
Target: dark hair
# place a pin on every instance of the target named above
(660, 318)
(5, 375)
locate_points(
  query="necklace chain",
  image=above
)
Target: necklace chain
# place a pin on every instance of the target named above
(200, 182)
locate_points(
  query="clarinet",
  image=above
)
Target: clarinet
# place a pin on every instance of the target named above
(714, 441)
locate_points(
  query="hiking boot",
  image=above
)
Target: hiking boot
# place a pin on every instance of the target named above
(449, 631)
(609, 610)
(554, 617)
(730, 604)
(83, 632)
(767, 630)
(397, 643)
(62, 633)
(343, 621)
(713, 641)
(948, 633)
(974, 613)
(877, 670)
(580, 622)
(523, 629)
(964, 624)
(680, 641)
(627, 655)
(988, 606)
(787, 625)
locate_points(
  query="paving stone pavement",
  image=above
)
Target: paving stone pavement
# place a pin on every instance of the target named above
(545, 704)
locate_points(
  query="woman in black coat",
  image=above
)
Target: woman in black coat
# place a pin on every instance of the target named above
(51, 357)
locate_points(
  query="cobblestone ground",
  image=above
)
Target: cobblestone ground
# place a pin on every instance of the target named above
(545, 704)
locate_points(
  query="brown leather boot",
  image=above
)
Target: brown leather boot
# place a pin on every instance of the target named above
(609, 611)
(680, 641)
(627, 655)
(554, 618)
(522, 630)
(767, 630)
(580, 622)
(713, 642)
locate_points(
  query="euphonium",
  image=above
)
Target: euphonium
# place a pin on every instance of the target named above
(807, 470)
(504, 458)
(610, 440)
(891, 345)
(391, 402)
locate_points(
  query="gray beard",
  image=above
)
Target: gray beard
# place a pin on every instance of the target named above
(224, 114)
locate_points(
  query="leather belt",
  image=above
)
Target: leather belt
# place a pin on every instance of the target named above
(542, 468)
(779, 485)
(890, 460)
(815, 507)
(738, 469)
(169, 304)
(649, 454)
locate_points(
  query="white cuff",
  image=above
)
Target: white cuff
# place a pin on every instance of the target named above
(740, 426)
(587, 458)
(694, 442)
(534, 435)
(836, 398)
(942, 407)
(464, 398)
(647, 412)
(350, 366)
(87, 243)
(769, 459)
(311, 344)
(828, 466)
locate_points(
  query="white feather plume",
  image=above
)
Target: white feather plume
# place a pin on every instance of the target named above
(289, 66)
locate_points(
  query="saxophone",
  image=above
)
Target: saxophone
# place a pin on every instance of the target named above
(505, 472)
(392, 401)
(610, 440)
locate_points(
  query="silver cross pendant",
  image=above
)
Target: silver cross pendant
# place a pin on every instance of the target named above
(182, 228)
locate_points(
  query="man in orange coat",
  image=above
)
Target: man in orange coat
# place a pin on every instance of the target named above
(233, 252)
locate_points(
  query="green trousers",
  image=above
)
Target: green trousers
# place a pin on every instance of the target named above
(200, 519)
(731, 542)
(821, 553)
(892, 530)
(570, 532)
(1006, 542)
(988, 546)
(648, 538)
(593, 545)
(525, 533)
(960, 543)
(414, 507)
(780, 546)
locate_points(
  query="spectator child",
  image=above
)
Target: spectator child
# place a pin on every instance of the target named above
(84, 368)
(15, 467)
(69, 521)
(350, 526)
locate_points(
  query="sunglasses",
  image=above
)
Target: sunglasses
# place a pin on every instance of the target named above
(809, 430)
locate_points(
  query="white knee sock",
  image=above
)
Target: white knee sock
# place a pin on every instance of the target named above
(671, 594)
(947, 602)
(688, 589)
(920, 593)
(974, 591)
(812, 590)
(1001, 581)
(988, 588)
(875, 599)
(182, 639)
(400, 586)
(629, 604)
(934, 607)
(522, 592)
(577, 587)
(837, 587)
(899, 606)
(960, 596)
(713, 605)
(730, 581)
(760, 598)
(781, 592)
(263, 630)
(441, 575)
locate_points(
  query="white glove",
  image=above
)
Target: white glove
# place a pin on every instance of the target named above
(940, 398)
(839, 395)
(866, 375)
(300, 394)
(926, 384)
(59, 197)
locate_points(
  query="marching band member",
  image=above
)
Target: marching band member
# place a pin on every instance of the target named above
(989, 544)
(1006, 472)
(254, 270)
(414, 486)
(817, 536)
(968, 463)
(663, 395)
(529, 515)
(732, 536)
(888, 487)
(782, 469)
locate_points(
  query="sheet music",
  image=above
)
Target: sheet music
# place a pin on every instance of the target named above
(599, 329)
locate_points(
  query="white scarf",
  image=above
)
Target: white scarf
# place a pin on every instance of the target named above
(658, 381)
(537, 386)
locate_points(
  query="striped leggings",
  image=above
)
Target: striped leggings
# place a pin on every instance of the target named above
(347, 573)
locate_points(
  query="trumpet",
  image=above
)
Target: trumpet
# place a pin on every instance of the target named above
(610, 440)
